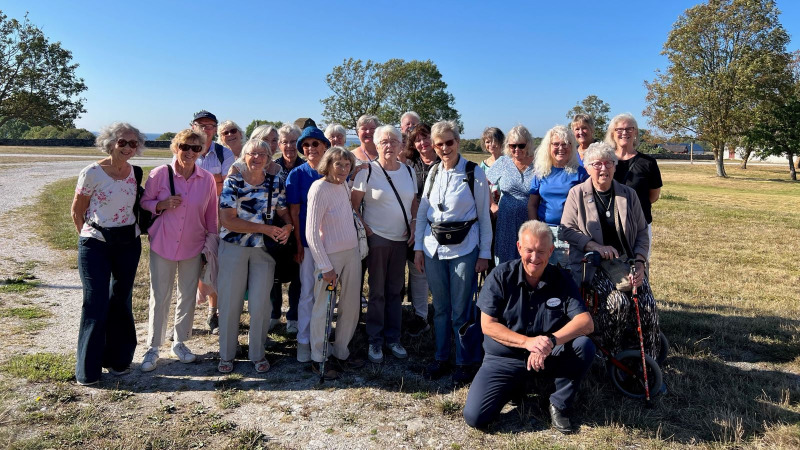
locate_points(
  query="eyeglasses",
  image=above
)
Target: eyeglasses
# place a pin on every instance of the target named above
(628, 130)
(186, 147)
(447, 143)
(389, 142)
(367, 130)
(600, 164)
(229, 132)
(121, 143)
(309, 144)
(205, 127)
(257, 155)
(517, 146)
(285, 142)
(559, 145)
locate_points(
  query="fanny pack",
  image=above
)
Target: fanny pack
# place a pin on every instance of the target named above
(116, 235)
(451, 233)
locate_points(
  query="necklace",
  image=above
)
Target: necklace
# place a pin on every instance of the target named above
(607, 207)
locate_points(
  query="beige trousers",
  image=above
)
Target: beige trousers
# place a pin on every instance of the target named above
(347, 265)
(162, 280)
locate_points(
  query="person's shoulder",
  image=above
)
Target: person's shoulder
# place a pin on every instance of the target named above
(646, 157)
(91, 169)
(508, 271)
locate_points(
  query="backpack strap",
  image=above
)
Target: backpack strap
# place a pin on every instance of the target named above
(432, 176)
(218, 150)
(471, 176)
(137, 173)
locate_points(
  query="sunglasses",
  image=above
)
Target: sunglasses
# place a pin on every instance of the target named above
(517, 146)
(447, 143)
(315, 144)
(186, 147)
(229, 132)
(121, 143)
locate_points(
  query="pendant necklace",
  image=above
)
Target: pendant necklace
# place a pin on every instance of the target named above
(607, 207)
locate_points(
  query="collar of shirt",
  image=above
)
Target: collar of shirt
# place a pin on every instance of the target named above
(175, 170)
(521, 280)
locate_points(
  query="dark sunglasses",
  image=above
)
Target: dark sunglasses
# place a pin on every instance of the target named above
(121, 143)
(187, 147)
(447, 143)
(315, 144)
(229, 132)
(517, 146)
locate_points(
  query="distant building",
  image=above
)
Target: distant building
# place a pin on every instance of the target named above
(683, 148)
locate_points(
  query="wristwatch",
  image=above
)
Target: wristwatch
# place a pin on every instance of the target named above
(552, 338)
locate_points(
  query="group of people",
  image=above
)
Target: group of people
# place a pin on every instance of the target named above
(234, 224)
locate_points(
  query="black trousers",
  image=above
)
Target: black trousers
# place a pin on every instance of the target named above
(500, 379)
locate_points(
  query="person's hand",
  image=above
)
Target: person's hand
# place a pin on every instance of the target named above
(329, 277)
(298, 257)
(419, 261)
(605, 251)
(282, 234)
(358, 169)
(536, 361)
(542, 344)
(367, 229)
(481, 265)
(638, 275)
(411, 241)
(171, 202)
(493, 208)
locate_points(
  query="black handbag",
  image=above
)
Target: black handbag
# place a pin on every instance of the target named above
(451, 233)
(145, 218)
(286, 269)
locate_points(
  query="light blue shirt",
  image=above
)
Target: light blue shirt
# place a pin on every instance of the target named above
(451, 189)
(211, 163)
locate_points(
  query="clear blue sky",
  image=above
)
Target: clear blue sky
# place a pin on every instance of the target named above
(154, 63)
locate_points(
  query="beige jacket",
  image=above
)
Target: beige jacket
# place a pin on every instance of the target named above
(581, 224)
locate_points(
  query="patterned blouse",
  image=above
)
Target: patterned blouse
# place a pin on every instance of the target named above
(251, 205)
(111, 201)
(512, 209)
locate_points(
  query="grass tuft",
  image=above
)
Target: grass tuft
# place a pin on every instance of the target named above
(26, 312)
(41, 367)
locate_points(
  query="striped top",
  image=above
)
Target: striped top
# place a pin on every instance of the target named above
(329, 224)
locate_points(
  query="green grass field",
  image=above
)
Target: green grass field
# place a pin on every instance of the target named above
(726, 276)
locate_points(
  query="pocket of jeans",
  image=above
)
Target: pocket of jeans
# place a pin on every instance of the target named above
(83, 240)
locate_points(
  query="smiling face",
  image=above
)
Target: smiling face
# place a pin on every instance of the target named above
(231, 137)
(187, 156)
(127, 152)
(272, 140)
(625, 134)
(408, 124)
(518, 149)
(288, 146)
(206, 126)
(446, 146)
(424, 145)
(313, 149)
(256, 159)
(337, 139)
(559, 151)
(493, 147)
(366, 133)
(535, 251)
(583, 134)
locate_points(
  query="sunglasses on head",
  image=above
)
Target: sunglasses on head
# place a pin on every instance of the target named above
(517, 146)
(447, 143)
(309, 144)
(186, 147)
(122, 143)
(229, 132)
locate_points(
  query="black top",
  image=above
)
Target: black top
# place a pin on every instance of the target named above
(527, 310)
(605, 202)
(284, 173)
(640, 173)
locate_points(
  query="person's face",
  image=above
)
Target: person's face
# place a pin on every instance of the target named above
(231, 137)
(535, 251)
(272, 140)
(206, 126)
(624, 133)
(408, 124)
(288, 145)
(337, 139)
(126, 145)
(366, 132)
(559, 151)
(388, 147)
(256, 158)
(423, 144)
(446, 146)
(187, 151)
(518, 148)
(602, 173)
(492, 146)
(341, 169)
(313, 149)
(583, 134)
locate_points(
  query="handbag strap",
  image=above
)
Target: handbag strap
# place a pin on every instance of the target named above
(171, 180)
(269, 180)
(403, 208)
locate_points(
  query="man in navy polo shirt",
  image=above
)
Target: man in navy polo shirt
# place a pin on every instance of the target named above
(534, 324)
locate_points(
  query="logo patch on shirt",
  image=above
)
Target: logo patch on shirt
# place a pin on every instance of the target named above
(553, 302)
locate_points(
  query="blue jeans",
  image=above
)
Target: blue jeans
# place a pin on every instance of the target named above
(452, 282)
(107, 335)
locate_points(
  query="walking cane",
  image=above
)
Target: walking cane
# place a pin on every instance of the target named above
(331, 288)
(635, 296)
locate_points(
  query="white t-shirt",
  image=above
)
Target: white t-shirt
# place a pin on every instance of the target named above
(111, 202)
(381, 210)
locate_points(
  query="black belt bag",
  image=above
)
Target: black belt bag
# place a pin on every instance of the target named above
(116, 235)
(451, 233)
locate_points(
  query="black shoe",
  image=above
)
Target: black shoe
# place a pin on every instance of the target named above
(330, 374)
(559, 421)
(213, 322)
(464, 374)
(347, 365)
(417, 326)
(436, 370)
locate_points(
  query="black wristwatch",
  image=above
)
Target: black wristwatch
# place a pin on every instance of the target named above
(552, 338)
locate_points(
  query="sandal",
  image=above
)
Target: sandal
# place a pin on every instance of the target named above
(262, 366)
(225, 366)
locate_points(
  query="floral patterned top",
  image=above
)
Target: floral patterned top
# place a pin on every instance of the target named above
(251, 205)
(512, 210)
(111, 201)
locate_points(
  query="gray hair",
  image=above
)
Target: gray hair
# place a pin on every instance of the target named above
(366, 118)
(599, 151)
(262, 131)
(582, 118)
(332, 155)
(225, 124)
(543, 164)
(252, 144)
(440, 128)
(109, 135)
(517, 133)
(536, 228)
(334, 128)
(410, 113)
(288, 129)
(383, 130)
(613, 124)
(494, 134)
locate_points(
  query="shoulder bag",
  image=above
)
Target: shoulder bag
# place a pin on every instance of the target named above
(286, 268)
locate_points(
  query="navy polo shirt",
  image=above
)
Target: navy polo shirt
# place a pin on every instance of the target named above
(531, 311)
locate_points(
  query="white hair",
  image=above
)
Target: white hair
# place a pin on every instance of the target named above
(543, 164)
(536, 228)
(108, 136)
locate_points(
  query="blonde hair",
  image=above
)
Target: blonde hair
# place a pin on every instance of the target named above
(543, 164)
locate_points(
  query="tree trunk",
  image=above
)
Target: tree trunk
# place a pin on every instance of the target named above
(719, 156)
(792, 171)
(748, 150)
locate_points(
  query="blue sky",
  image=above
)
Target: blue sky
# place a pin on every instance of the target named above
(155, 63)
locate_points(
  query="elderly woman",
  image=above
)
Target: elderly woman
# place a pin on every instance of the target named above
(602, 215)
(583, 128)
(635, 170)
(333, 242)
(336, 134)
(492, 143)
(249, 203)
(231, 136)
(389, 191)
(314, 143)
(108, 254)
(268, 134)
(555, 172)
(512, 174)
(456, 196)
(367, 151)
(183, 196)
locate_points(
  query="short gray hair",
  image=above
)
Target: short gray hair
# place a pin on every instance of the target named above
(536, 228)
(332, 155)
(109, 135)
(262, 131)
(599, 151)
(288, 129)
(366, 118)
(543, 164)
(613, 124)
(440, 128)
(252, 144)
(578, 119)
(225, 124)
(387, 129)
(335, 128)
(516, 133)
(410, 113)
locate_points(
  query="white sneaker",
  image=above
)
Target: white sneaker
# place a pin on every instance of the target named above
(291, 326)
(398, 351)
(273, 323)
(303, 352)
(150, 360)
(183, 353)
(375, 354)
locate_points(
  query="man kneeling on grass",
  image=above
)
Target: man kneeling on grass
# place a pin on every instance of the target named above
(534, 325)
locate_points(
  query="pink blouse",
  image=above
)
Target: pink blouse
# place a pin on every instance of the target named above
(180, 233)
(329, 225)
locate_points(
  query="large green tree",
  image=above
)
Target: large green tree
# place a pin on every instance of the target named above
(595, 107)
(387, 90)
(38, 84)
(723, 55)
(256, 123)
